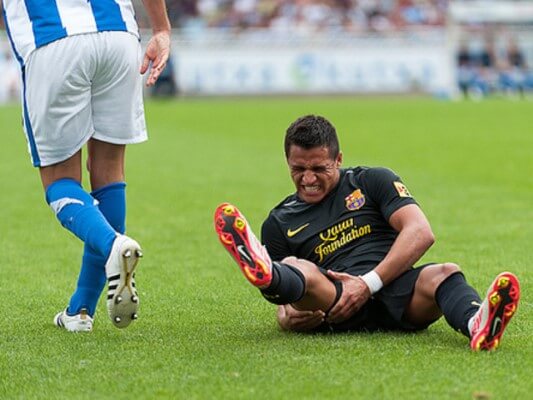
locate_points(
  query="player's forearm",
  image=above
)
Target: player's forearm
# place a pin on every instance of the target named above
(157, 13)
(410, 245)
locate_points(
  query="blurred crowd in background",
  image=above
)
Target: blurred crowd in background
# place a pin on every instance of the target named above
(482, 68)
(305, 15)
(490, 68)
(485, 65)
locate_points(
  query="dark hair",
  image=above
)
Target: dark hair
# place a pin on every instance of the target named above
(312, 131)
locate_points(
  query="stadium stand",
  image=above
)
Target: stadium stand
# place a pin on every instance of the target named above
(306, 15)
(483, 65)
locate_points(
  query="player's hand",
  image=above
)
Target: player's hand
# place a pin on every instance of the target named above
(291, 319)
(355, 294)
(157, 53)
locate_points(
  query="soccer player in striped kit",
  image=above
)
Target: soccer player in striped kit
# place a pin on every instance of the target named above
(81, 66)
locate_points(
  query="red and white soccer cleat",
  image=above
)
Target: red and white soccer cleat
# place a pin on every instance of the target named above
(239, 240)
(496, 311)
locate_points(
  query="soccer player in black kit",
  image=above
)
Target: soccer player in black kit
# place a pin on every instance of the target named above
(338, 254)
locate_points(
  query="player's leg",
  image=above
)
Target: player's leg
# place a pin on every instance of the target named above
(319, 293)
(107, 181)
(292, 281)
(67, 169)
(118, 262)
(105, 163)
(78, 319)
(118, 118)
(442, 289)
(106, 167)
(58, 127)
(58, 122)
(423, 307)
(77, 211)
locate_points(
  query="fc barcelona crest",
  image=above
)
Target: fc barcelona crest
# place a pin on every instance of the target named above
(355, 200)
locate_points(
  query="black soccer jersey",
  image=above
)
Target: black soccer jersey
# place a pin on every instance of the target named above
(347, 230)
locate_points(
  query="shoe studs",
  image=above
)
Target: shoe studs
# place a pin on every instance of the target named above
(118, 319)
(503, 282)
(228, 209)
(240, 224)
(494, 298)
(118, 300)
(134, 299)
(134, 316)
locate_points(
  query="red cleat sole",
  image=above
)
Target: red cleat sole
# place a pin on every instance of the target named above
(503, 297)
(236, 237)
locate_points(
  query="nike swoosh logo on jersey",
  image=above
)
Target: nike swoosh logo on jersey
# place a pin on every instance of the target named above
(291, 233)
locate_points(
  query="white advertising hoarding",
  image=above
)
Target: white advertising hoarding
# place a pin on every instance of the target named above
(240, 69)
(344, 70)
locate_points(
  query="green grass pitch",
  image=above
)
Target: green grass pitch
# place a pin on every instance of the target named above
(203, 332)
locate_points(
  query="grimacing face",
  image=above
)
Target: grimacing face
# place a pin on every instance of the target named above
(313, 172)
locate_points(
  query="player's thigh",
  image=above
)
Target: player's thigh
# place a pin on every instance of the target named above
(57, 99)
(320, 292)
(117, 104)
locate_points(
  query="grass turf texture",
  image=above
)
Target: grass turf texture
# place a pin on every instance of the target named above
(203, 331)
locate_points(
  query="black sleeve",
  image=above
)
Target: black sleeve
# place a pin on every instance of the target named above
(387, 190)
(274, 240)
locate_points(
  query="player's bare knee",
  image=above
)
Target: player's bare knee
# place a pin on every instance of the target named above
(448, 269)
(432, 276)
(310, 271)
(291, 260)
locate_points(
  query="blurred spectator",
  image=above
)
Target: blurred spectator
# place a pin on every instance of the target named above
(493, 69)
(166, 85)
(465, 69)
(485, 73)
(304, 15)
(513, 71)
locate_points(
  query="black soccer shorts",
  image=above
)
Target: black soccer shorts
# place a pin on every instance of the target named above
(384, 310)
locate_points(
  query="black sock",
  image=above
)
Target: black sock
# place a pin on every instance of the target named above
(287, 286)
(458, 302)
